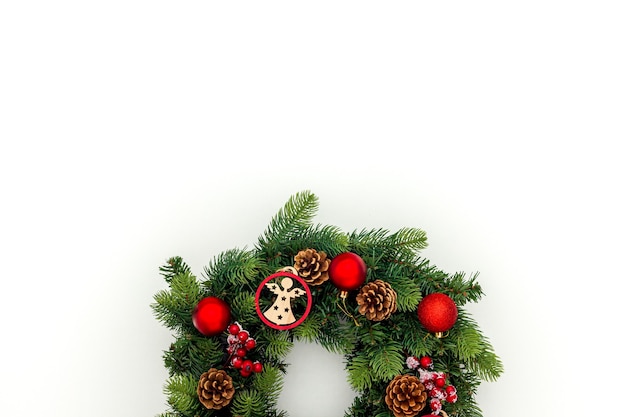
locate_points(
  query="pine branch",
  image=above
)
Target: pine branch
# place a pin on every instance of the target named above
(276, 342)
(292, 219)
(386, 360)
(243, 307)
(234, 267)
(269, 384)
(182, 396)
(193, 355)
(173, 308)
(248, 403)
(410, 238)
(359, 375)
(463, 290)
(408, 294)
(329, 239)
(337, 335)
(406, 242)
(309, 329)
(415, 340)
(173, 267)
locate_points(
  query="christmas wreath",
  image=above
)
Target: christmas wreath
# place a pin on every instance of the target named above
(409, 347)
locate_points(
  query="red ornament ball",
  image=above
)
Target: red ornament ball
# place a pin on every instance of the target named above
(347, 271)
(437, 312)
(211, 316)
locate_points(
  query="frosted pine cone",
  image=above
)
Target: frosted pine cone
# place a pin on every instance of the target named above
(215, 389)
(377, 300)
(312, 266)
(405, 396)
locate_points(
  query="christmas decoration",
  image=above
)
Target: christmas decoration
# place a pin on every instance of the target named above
(377, 300)
(437, 313)
(312, 266)
(211, 316)
(239, 344)
(405, 396)
(215, 389)
(347, 271)
(435, 383)
(234, 327)
(280, 314)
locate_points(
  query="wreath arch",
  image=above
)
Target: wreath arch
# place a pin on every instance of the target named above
(410, 348)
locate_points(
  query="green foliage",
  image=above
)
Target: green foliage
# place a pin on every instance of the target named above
(277, 343)
(386, 360)
(173, 308)
(409, 294)
(173, 267)
(235, 267)
(269, 384)
(374, 352)
(243, 306)
(249, 403)
(291, 220)
(360, 376)
(181, 392)
(329, 239)
(192, 355)
(377, 242)
(309, 329)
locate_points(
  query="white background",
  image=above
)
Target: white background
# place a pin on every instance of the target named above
(133, 131)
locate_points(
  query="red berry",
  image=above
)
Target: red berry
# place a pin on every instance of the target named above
(243, 335)
(237, 362)
(452, 398)
(435, 405)
(241, 352)
(234, 329)
(426, 362)
(246, 365)
(250, 344)
(257, 367)
(436, 393)
(440, 382)
(450, 389)
(245, 373)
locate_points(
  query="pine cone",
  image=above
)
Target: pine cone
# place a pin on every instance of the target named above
(215, 389)
(312, 266)
(405, 396)
(377, 300)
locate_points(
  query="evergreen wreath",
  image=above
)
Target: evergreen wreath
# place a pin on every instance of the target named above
(409, 347)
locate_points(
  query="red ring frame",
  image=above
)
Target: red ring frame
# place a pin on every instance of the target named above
(309, 303)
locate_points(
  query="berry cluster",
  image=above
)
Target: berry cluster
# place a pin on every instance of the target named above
(435, 382)
(239, 344)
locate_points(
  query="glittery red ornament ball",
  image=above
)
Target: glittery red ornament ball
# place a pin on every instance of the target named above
(347, 271)
(211, 316)
(437, 312)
